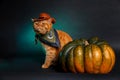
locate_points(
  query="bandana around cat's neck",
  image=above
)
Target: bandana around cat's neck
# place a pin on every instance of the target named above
(50, 38)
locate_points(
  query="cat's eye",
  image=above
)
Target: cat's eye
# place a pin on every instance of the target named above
(36, 23)
(43, 23)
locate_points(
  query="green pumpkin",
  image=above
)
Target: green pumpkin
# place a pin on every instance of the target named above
(91, 56)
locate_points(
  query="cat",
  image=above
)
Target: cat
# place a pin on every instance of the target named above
(53, 40)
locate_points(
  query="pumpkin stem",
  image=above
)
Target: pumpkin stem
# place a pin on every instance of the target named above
(86, 43)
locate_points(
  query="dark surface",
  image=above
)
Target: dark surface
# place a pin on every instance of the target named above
(19, 58)
(24, 69)
(49, 75)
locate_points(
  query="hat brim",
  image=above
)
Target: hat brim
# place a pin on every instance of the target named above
(38, 19)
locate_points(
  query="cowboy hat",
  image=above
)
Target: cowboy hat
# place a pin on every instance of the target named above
(44, 16)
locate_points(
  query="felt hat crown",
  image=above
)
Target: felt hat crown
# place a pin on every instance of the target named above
(44, 16)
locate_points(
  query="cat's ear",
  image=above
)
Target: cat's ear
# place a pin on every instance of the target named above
(33, 20)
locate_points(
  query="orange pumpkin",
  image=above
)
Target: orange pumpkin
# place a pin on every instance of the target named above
(91, 56)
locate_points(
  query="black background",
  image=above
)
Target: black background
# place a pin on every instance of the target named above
(84, 18)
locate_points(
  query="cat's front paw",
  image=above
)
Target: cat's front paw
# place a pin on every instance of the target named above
(45, 66)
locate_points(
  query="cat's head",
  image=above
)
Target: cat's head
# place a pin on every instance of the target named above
(43, 24)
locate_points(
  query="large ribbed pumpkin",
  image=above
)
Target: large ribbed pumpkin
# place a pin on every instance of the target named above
(91, 56)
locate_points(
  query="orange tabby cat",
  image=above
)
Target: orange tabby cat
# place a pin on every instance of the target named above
(53, 40)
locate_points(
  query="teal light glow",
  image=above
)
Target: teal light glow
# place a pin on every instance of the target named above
(25, 41)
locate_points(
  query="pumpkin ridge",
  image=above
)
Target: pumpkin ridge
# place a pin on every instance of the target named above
(88, 59)
(112, 63)
(111, 59)
(92, 57)
(65, 51)
(102, 56)
(79, 58)
(105, 65)
(64, 55)
(70, 61)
